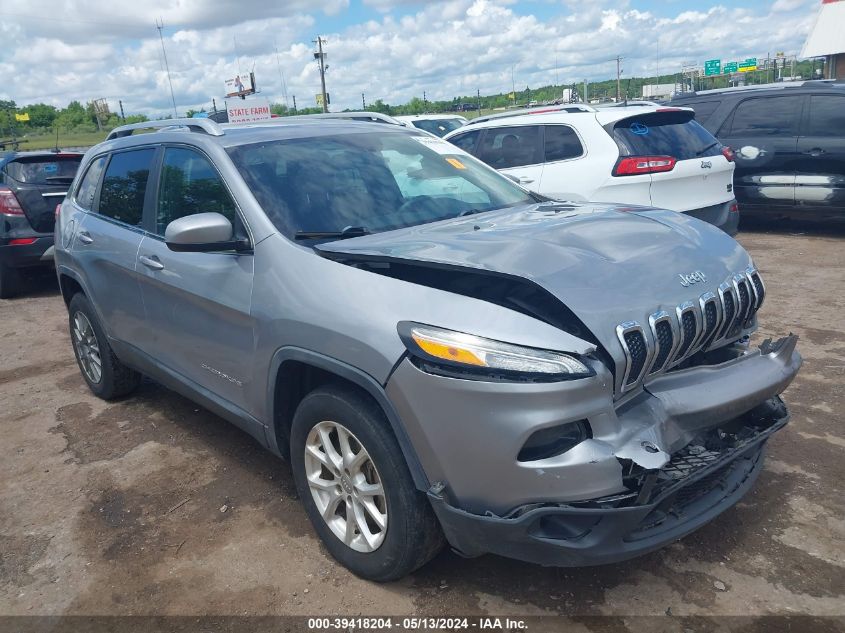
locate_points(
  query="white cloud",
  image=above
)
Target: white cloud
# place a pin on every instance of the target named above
(447, 48)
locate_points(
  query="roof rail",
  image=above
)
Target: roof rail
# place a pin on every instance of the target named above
(820, 83)
(567, 108)
(371, 117)
(195, 125)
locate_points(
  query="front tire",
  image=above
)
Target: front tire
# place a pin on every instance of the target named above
(105, 375)
(356, 487)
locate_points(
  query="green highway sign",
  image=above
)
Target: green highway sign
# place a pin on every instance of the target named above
(749, 64)
(713, 67)
(730, 67)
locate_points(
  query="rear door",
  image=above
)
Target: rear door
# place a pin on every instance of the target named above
(763, 133)
(515, 150)
(701, 177)
(197, 304)
(820, 174)
(40, 183)
(105, 245)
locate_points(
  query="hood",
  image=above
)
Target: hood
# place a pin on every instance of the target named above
(607, 263)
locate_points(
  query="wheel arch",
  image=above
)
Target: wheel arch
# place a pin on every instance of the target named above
(295, 372)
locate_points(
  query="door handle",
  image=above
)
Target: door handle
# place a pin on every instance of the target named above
(151, 262)
(85, 237)
(816, 151)
(524, 181)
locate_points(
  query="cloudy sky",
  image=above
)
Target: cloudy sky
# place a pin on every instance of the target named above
(58, 50)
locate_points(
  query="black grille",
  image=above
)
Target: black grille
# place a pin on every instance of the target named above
(758, 286)
(635, 342)
(701, 487)
(730, 312)
(665, 338)
(687, 332)
(711, 315)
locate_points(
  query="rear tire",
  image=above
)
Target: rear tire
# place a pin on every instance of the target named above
(10, 282)
(411, 536)
(105, 375)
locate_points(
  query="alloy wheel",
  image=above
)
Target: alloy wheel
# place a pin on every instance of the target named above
(346, 486)
(87, 348)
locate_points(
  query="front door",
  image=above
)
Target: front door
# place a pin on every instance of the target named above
(197, 304)
(820, 179)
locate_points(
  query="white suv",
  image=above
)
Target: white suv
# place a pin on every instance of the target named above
(643, 155)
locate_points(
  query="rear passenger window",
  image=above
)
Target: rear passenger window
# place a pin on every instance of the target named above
(88, 187)
(466, 141)
(124, 186)
(512, 146)
(767, 116)
(190, 185)
(562, 143)
(827, 116)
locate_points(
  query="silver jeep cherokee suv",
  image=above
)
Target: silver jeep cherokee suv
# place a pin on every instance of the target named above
(440, 354)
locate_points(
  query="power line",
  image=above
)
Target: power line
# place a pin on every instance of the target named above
(159, 26)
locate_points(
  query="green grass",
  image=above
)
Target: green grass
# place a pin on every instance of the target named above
(82, 139)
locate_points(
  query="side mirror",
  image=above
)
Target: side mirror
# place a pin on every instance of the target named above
(202, 233)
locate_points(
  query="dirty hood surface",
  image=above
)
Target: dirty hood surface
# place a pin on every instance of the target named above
(608, 263)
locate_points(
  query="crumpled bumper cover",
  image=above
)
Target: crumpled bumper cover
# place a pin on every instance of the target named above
(664, 509)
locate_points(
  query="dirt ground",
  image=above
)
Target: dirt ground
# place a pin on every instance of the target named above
(116, 508)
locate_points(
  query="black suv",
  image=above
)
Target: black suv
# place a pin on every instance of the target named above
(32, 184)
(789, 141)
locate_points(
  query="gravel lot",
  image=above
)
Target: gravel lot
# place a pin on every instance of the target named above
(117, 508)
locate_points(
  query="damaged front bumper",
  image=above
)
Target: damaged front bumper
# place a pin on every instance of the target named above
(598, 501)
(666, 504)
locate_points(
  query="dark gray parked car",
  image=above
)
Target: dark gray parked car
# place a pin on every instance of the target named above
(32, 184)
(438, 352)
(789, 142)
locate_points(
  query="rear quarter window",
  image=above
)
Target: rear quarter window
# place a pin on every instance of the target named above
(48, 170)
(704, 109)
(673, 134)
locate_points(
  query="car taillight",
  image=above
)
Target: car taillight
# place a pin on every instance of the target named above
(734, 208)
(632, 165)
(58, 210)
(9, 204)
(728, 153)
(22, 241)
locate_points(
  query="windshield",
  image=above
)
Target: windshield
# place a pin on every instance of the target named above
(375, 181)
(439, 127)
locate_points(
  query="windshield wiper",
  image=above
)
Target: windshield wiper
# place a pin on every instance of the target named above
(349, 231)
(712, 145)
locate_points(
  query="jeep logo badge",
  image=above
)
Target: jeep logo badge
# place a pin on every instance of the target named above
(706, 164)
(692, 278)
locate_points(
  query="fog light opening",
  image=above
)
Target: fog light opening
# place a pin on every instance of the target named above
(554, 440)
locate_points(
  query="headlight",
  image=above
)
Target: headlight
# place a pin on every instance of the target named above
(476, 355)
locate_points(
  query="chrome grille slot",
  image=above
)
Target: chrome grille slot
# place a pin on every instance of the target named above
(690, 328)
(757, 285)
(743, 294)
(726, 294)
(637, 352)
(711, 315)
(664, 332)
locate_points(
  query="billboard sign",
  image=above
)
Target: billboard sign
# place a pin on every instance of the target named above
(248, 110)
(240, 85)
(713, 67)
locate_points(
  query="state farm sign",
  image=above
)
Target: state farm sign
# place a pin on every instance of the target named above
(247, 110)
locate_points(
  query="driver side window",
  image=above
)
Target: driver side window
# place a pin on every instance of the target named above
(189, 185)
